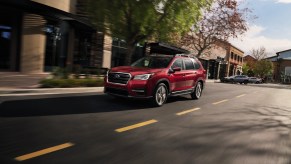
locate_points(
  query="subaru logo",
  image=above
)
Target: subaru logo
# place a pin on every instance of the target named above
(116, 76)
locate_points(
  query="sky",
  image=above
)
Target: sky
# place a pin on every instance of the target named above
(271, 29)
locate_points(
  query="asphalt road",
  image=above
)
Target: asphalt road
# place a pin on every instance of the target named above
(229, 124)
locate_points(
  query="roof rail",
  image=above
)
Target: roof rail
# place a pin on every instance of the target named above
(183, 55)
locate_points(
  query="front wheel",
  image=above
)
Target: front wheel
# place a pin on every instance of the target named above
(197, 91)
(160, 95)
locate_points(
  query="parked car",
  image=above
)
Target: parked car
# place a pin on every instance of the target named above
(227, 79)
(236, 79)
(157, 77)
(255, 80)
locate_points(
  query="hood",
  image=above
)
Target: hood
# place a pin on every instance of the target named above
(136, 70)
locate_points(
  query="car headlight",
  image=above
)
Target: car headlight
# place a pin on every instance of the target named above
(142, 77)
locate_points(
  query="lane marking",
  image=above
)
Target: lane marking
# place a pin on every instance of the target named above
(225, 100)
(240, 96)
(187, 111)
(135, 126)
(43, 152)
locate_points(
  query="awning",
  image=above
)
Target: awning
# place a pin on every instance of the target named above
(163, 48)
(48, 12)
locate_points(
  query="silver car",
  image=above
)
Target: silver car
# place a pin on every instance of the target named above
(255, 80)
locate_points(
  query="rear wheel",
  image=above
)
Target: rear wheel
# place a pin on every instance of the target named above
(197, 91)
(160, 95)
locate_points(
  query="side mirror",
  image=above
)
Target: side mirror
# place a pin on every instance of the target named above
(173, 70)
(176, 69)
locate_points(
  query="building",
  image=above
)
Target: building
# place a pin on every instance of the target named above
(37, 35)
(281, 66)
(222, 60)
(250, 61)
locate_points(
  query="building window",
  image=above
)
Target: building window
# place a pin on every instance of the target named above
(231, 55)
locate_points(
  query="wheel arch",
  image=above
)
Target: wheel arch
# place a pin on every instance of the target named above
(165, 81)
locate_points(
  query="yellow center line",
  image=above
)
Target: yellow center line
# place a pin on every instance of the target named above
(240, 95)
(220, 102)
(187, 111)
(43, 152)
(135, 126)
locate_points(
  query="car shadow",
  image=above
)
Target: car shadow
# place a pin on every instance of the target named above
(69, 105)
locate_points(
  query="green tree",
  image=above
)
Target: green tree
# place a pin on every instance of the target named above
(263, 68)
(138, 20)
(245, 69)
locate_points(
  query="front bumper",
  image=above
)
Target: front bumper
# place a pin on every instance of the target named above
(133, 89)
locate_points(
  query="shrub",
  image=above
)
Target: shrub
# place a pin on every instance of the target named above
(60, 73)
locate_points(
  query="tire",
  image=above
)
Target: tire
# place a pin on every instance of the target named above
(257, 82)
(246, 82)
(160, 95)
(197, 91)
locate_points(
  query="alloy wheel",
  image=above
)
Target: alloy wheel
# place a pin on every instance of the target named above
(161, 95)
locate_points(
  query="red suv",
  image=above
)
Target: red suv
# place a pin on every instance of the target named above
(156, 77)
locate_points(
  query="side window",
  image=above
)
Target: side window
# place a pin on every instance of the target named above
(189, 64)
(196, 64)
(178, 63)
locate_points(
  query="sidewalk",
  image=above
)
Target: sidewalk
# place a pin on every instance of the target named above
(13, 80)
(47, 91)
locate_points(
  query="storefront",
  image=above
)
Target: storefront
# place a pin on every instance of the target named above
(35, 38)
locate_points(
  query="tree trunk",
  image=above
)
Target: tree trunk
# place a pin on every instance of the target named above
(199, 54)
(129, 52)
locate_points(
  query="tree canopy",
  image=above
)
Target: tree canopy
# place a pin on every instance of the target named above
(137, 20)
(225, 19)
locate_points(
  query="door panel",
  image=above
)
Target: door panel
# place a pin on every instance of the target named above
(178, 80)
(190, 78)
(178, 77)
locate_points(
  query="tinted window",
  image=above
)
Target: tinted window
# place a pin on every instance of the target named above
(178, 63)
(196, 64)
(189, 64)
(153, 62)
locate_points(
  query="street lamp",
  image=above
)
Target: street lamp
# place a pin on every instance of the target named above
(55, 35)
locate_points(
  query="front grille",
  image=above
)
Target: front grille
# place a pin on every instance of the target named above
(116, 91)
(118, 78)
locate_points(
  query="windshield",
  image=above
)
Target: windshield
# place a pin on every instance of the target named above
(153, 62)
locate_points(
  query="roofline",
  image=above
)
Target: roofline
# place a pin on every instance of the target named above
(227, 43)
(271, 57)
(250, 56)
(237, 48)
(162, 44)
(282, 51)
